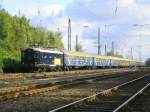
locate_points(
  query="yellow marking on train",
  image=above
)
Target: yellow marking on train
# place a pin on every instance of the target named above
(57, 61)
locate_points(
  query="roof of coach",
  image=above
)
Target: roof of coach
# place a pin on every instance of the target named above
(136, 61)
(111, 57)
(77, 53)
(45, 50)
(116, 58)
(102, 57)
(139, 61)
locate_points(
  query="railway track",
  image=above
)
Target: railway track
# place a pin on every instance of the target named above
(41, 83)
(113, 99)
(18, 80)
(7, 77)
(19, 76)
(49, 85)
(53, 99)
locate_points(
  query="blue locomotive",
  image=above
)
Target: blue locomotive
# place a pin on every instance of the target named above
(50, 60)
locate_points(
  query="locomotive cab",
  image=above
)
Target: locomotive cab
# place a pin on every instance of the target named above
(41, 58)
(29, 56)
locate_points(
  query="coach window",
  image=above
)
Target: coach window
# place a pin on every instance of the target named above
(97, 59)
(87, 58)
(80, 58)
(90, 58)
(84, 58)
(69, 57)
(77, 57)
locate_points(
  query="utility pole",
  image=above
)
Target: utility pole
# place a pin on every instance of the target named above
(19, 13)
(68, 37)
(58, 29)
(128, 54)
(116, 8)
(112, 49)
(69, 34)
(131, 54)
(99, 44)
(76, 42)
(105, 50)
(38, 14)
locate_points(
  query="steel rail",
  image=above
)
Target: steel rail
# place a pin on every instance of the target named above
(100, 93)
(32, 84)
(35, 90)
(131, 98)
(12, 76)
(52, 82)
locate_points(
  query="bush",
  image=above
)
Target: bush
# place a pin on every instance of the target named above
(11, 65)
(9, 61)
(1, 70)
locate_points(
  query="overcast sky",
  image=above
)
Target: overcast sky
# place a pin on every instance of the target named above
(126, 22)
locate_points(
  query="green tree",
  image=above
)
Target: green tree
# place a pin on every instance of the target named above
(110, 53)
(17, 33)
(79, 48)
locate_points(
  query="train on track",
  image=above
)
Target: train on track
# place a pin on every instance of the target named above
(45, 59)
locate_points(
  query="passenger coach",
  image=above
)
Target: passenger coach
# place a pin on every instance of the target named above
(77, 59)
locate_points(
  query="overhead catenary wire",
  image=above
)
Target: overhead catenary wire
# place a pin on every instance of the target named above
(94, 14)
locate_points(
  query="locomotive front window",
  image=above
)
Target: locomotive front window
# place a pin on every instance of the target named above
(36, 55)
(50, 57)
(27, 56)
(45, 56)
